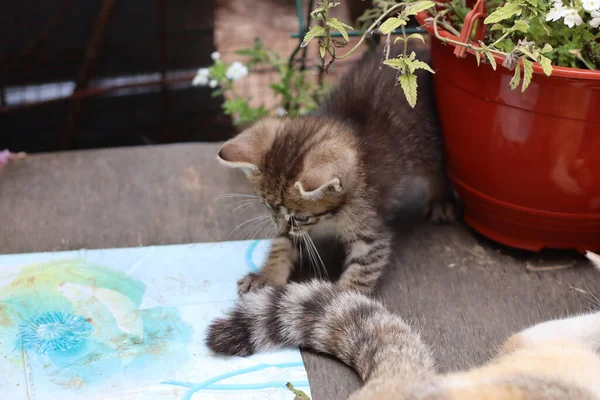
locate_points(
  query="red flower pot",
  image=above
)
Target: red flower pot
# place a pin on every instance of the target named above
(526, 165)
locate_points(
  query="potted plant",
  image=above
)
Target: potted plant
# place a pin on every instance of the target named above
(518, 92)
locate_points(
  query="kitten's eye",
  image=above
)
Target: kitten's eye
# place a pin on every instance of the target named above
(301, 219)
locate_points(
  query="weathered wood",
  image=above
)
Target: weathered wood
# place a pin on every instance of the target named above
(465, 293)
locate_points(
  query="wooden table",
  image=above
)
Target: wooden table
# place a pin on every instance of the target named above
(465, 293)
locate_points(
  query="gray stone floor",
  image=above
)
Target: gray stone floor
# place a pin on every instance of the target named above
(465, 293)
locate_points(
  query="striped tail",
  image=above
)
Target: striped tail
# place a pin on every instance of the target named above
(325, 318)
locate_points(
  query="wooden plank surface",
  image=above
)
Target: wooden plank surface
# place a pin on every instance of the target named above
(465, 293)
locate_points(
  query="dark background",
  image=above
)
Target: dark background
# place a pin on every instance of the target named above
(84, 42)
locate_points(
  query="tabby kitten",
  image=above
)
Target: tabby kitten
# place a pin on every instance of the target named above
(345, 171)
(554, 360)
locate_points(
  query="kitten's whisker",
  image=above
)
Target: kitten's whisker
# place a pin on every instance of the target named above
(280, 229)
(251, 220)
(321, 263)
(593, 302)
(239, 202)
(300, 240)
(274, 230)
(311, 256)
(298, 245)
(301, 250)
(245, 204)
(230, 195)
(250, 229)
(260, 229)
(306, 248)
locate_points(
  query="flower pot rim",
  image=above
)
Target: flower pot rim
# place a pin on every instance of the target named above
(564, 72)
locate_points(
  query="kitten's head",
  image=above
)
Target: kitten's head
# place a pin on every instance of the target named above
(303, 169)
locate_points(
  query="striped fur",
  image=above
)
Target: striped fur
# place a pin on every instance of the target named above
(349, 170)
(328, 319)
(554, 360)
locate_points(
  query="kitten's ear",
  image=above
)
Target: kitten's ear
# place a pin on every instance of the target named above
(239, 152)
(328, 171)
(246, 150)
(309, 189)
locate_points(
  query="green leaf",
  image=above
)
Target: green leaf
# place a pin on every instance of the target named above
(408, 82)
(278, 88)
(413, 36)
(497, 27)
(547, 48)
(317, 10)
(416, 64)
(417, 36)
(396, 63)
(514, 82)
(300, 395)
(491, 58)
(322, 50)
(320, 9)
(505, 12)
(419, 6)
(478, 58)
(340, 27)
(546, 65)
(390, 25)
(527, 73)
(315, 31)
(521, 26)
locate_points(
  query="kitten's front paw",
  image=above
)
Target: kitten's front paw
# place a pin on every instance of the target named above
(441, 211)
(253, 282)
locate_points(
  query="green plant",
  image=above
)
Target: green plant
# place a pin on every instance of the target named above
(293, 88)
(521, 31)
(300, 395)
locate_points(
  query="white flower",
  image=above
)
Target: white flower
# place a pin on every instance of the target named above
(280, 112)
(201, 78)
(595, 22)
(570, 15)
(215, 56)
(572, 19)
(236, 71)
(557, 12)
(213, 83)
(591, 5)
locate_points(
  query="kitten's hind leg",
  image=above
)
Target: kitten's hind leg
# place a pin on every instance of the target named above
(441, 205)
(441, 211)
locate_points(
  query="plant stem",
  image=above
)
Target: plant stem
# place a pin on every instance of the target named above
(585, 62)
(327, 27)
(405, 41)
(501, 38)
(450, 28)
(456, 42)
(370, 29)
(388, 45)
